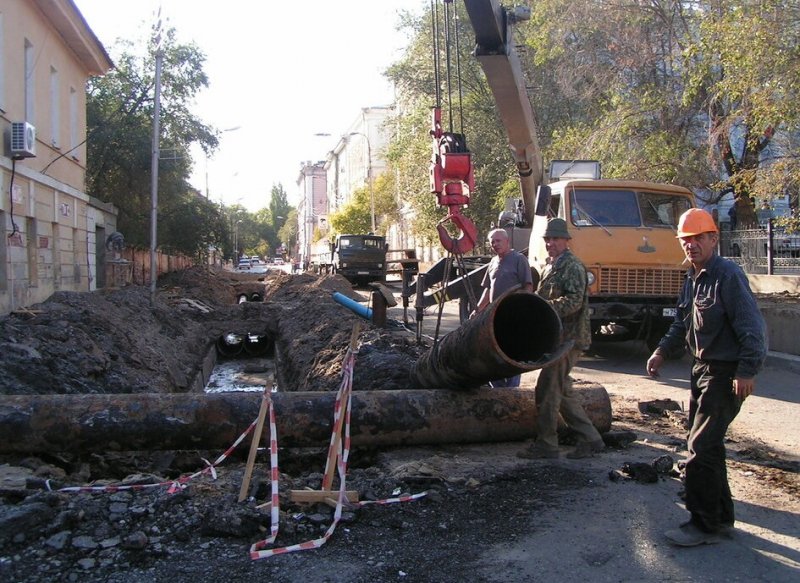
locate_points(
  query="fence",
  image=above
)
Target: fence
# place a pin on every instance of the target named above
(770, 251)
(132, 266)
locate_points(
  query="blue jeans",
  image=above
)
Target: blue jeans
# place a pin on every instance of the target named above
(712, 408)
(508, 383)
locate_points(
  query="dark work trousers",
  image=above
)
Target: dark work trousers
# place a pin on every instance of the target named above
(712, 408)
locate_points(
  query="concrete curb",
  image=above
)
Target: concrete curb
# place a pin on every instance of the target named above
(783, 360)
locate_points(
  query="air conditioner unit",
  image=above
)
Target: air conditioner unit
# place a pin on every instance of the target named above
(23, 140)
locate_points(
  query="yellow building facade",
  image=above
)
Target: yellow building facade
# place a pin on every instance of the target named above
(54, 233)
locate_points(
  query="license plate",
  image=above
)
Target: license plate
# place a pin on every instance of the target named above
(669, 312)
(362, 272)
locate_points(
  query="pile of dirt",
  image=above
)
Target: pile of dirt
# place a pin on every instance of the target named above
(118, 341)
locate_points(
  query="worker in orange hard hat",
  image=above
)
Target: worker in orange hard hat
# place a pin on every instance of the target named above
(717, 317)
(695, 222)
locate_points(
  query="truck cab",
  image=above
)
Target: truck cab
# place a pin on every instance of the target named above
(360, 258)
(624, 233)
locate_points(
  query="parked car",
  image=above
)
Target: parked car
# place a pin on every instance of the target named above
(277, 261)
(244, 263)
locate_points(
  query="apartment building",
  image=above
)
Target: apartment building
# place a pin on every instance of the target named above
(54, 233)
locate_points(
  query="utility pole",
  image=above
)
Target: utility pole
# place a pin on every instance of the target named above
(154, 167)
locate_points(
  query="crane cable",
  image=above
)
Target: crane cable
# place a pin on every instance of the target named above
(444, 23)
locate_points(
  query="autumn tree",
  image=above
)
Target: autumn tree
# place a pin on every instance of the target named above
(120, 108)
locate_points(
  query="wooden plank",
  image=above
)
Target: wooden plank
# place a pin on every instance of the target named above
(309, 496)
(385, 292)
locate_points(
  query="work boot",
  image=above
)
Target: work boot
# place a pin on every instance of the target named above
(690, 535)
(538, 452)
(726, 529)
(586, 449)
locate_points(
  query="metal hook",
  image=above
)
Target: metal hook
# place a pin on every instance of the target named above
(466, 241)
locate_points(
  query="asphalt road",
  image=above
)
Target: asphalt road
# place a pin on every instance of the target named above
(614, 531)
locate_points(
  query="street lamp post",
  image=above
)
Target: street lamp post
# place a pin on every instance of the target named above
(369, 178)
(236, 243)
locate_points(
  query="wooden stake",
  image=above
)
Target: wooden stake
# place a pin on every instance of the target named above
(251, 458)
(335, 450)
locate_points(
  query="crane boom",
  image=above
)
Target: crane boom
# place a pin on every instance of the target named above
(495, 51)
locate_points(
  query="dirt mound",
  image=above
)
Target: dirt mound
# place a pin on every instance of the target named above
(117, 342)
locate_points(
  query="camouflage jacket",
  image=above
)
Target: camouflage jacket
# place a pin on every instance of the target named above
(563, 285)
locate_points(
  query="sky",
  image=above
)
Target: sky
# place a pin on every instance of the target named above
(279, 73)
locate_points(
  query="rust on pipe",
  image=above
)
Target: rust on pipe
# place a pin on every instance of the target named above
(517, 333)
(87, 423)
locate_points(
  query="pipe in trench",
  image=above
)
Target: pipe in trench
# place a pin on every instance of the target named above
(352, 305)
(230, 345)
(258, 345)
(517, 333)
(94, 423)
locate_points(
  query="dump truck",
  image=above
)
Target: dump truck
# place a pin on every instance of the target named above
(361, 259)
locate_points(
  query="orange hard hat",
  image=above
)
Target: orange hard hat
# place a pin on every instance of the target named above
(696, 221)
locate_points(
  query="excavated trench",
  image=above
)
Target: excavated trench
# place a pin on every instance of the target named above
(242, 362)
(437, 397)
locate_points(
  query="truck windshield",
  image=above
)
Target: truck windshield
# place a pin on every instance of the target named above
(662, 210)
(625, 208)
(360, 243)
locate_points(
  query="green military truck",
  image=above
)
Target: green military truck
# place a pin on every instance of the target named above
(361, 259)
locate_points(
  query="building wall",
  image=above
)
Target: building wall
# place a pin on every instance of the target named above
(358, 155)
(312, 211)
(54, 232)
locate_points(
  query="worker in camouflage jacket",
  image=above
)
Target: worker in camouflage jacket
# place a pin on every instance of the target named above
(563, 284)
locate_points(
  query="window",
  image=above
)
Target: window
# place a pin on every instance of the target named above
(2, 64)
(55, 109)
(662, 210)
(612, 207)
(73, 122)
(30, 86)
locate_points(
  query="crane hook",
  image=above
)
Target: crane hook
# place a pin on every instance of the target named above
(469, 233)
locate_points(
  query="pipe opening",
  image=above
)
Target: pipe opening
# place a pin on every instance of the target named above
(230, 345)
(258, 345)
(526, 327)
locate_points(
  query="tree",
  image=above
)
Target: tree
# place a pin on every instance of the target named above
(745, 67)
(703, 94)
(119, 126)
(288, 231)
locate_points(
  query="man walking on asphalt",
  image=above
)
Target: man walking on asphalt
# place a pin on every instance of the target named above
(506, 269)
(563, 284)
(719, 320)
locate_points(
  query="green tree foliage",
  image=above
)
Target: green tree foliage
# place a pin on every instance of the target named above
(288, 230)
(119, 122)
(744, 67)
(354, 217)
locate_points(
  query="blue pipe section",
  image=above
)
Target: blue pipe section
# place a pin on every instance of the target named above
(352, 305)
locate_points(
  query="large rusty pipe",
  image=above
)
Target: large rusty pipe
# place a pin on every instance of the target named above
(86, 423)
(519, 332)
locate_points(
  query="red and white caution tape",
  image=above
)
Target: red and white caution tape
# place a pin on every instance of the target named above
(344, 395)
(174, 485)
